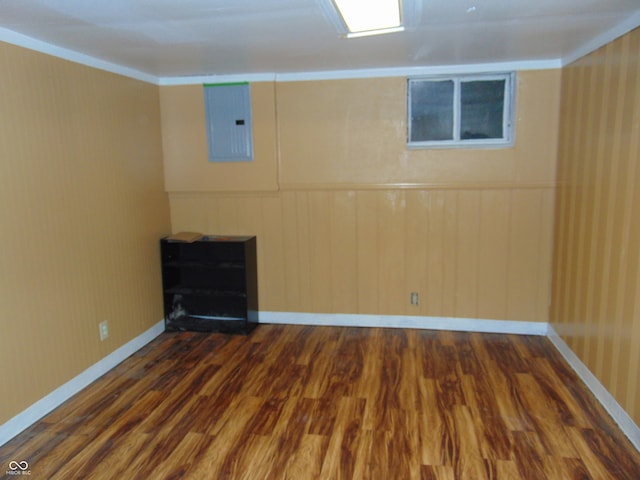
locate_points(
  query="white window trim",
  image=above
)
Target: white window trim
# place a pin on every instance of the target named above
(508, 120)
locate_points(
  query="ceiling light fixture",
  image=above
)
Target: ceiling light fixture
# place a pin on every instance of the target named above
(370, 17)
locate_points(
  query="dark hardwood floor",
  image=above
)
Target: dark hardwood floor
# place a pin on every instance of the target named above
(326, 402)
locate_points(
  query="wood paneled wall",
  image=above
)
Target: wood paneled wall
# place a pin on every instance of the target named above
(184, 141)
(82, 206)
(354, 133)
(468, 253)
(357, 221)
(596, 274)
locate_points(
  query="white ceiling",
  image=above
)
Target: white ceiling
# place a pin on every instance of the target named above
(164, 39)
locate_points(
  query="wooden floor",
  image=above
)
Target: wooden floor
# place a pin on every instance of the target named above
(327, 402)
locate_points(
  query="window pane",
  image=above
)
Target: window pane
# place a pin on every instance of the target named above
(431, 111)
(482, 106)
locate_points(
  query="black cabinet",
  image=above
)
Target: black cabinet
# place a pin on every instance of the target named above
(210, 285)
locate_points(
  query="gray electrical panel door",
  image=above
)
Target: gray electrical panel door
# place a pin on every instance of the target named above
(229, 132)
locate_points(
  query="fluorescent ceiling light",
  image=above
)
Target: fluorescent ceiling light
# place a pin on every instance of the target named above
(370, 17)
(379, 31)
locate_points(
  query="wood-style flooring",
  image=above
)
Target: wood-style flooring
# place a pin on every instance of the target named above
(301, 402)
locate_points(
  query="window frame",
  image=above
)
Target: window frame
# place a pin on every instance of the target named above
(508, 112)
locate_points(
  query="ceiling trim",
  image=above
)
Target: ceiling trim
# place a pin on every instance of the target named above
(421, 71)
(365, 73)
(601, 40)
(199, 79)
(14, 38)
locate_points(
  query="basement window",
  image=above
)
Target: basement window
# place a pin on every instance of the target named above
(461, 111)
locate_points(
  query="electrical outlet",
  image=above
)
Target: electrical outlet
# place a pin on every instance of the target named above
(104, 330)
(415, 298)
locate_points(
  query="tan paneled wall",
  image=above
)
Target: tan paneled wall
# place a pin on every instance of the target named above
(468, 253)
(596, 275)
(346, 132)
(352, 133)
(82, 206)
(184, 139)
(359, 221)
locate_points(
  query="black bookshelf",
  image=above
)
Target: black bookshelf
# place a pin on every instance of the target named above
(210, 285)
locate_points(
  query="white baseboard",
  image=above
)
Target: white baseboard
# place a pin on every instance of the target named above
(35, 412)
(406, 321)
(610, 404)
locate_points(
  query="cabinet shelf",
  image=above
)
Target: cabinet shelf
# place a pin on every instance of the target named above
(205, 292)
(205, 265)
(210, 284)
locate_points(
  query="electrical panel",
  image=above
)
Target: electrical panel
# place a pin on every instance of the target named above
(228, 115)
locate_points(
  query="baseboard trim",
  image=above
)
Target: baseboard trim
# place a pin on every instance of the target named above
(35, 412)
(610, 404)
(406, 321)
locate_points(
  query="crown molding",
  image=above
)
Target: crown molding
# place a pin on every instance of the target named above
(406, 71)
(601, 40)
(14, 38)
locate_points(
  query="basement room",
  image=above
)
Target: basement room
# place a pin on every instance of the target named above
(320, 239)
